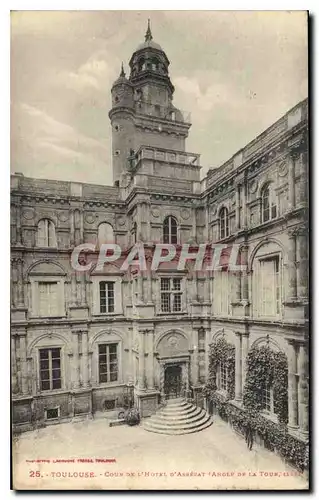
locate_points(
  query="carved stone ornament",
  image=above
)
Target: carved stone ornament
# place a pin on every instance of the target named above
(253, 185)
(155, 212)
(28, 214)
(121, 221)
(172, 341)
(63, 216)
(185, 214)
(89, 218)
(282, 169)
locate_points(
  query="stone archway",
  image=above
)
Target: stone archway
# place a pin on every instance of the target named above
(174, 364)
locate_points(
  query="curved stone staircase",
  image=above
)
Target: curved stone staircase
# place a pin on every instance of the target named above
(178, 417)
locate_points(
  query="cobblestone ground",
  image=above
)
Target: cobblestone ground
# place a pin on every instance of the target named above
(215, 458)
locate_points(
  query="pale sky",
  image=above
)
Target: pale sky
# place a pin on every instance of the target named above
(236, 72)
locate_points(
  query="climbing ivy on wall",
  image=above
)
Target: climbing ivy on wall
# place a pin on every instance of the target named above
(266, 367)
(221, 351)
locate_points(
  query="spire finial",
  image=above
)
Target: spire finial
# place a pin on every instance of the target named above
(122, 74)
(148, 35)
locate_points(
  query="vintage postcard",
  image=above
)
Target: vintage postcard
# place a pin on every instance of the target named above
(159, 250)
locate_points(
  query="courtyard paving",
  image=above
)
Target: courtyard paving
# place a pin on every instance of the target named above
(125, 457)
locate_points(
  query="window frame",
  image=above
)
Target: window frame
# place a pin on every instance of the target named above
(277, 285)
(223, 223)
(168, 235)
(107, 293)
(172, 293)
(268, 401)
(108, 372)
(272, 203)
(45, 239)
(35, 299)
(50, 369)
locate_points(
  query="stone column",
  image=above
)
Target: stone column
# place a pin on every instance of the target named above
(303, 185)
(162, 379)
(150, 359)
(237, 287)
(14, 376)
(291, 181)
(72, 234)
(245, 277)
(238, 368)
(303, 389)
(19, 241)
(20, 283)
(244, 192)
(23, 364)
(207, 340)
(81, 227)
(85, 359)
(193, 226)
(141, 364)
(303, 269)
(75, 361)
(194, 369)
(237, 207)
(291, 266)
(245, 349)
(292, 386)
(140, 295)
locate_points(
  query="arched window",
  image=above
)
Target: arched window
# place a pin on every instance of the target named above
(141, 64)
(170, 230)
(46, 234)
(223, 223)
(268, 204)
(155, 64)
(134, 233)
(105, 233)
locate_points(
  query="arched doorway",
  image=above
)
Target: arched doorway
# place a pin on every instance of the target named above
(173, 381)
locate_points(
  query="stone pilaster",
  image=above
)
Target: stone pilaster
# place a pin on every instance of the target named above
(81, 227)
(303, 396)
(150, 359)
(75, 360)
(303, 264)
(238, 368)
(245, 349)
(19, 241)
(20, 283)
(85, 359)
(291, 181)
(23, 364)
(244, 191)
(291, 266)
(292, 386)
(237, 213)
(303, 184)
(141, 364)
(14, 376)
(194, 358)
(72, 232)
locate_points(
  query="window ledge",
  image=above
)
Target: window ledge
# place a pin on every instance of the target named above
(171, 313)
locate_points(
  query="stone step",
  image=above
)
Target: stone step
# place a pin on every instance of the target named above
(159, 420)
(172, 431)
(173, 403)
(172, 410)
(179, 415)
(177, 425)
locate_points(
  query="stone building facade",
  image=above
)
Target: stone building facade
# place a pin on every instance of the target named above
(81, 341)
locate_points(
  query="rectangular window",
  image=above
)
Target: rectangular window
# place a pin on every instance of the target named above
(171, 294)
(50, 369)
(268, 399)
(108, 363)
(106, 296)
(223, 374)
(221, 293)
(269, 286)
(48, 296)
